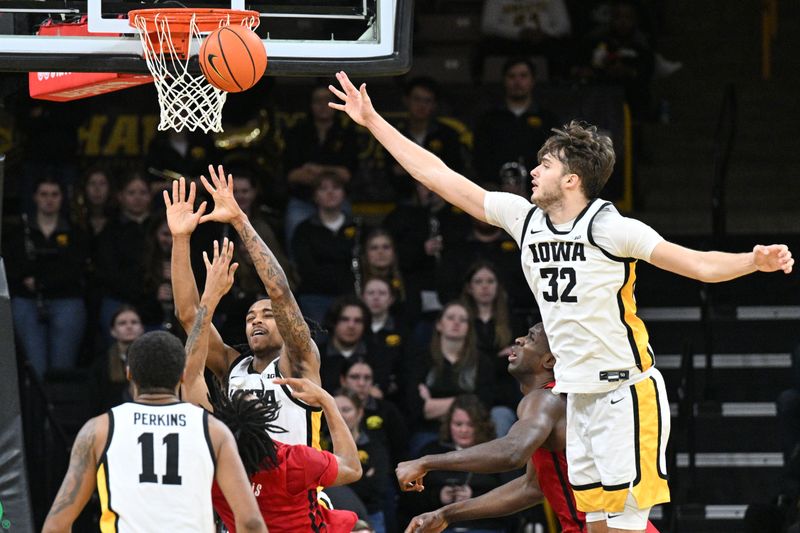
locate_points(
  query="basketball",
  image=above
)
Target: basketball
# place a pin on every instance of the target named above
(233, 58)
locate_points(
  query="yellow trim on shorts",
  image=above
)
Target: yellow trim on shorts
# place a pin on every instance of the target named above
(315, 429)
(652, 487)
(108, 518)
(640, 336)
(589, 499)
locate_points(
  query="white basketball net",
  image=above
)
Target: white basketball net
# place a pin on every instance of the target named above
(186, 100)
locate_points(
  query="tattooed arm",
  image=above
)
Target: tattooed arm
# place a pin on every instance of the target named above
(80, 481)
(302, 353)
(219, 279)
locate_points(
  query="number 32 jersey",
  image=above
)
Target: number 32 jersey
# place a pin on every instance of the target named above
(157, 470)
(583, 274)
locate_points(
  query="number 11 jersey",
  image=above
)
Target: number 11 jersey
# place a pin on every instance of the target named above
(157, 469)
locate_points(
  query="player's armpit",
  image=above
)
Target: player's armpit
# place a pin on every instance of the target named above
(80, 481)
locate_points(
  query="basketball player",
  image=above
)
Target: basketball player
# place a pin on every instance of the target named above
(153, 460)
(579, 258)
(278, 338)
(284, 478)
(538, 438)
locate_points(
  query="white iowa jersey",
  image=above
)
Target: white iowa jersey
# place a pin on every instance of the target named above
(299, 423)
(585, 296)
(157, 469)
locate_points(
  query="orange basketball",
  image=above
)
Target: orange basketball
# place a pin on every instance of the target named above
(233, 58)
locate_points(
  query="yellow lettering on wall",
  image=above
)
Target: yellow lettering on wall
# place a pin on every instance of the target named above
(124, 138)
(90, 135)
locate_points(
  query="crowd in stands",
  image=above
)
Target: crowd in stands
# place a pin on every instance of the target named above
(418, 304)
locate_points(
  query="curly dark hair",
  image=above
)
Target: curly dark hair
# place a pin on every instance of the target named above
(249, 419)
(583, 151)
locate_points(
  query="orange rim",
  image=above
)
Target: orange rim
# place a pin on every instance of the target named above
(207, 19)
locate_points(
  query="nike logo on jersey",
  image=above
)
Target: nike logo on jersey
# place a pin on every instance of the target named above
(544, 252)
(614, 402)
(535, 231)
(615, 515)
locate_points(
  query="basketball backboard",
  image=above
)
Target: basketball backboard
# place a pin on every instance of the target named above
(302, 37)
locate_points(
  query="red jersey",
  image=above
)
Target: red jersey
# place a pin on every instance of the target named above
(287, 494)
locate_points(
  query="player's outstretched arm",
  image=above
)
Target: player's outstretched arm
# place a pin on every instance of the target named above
(302, 352)
(509, 498)
(423, 166)
(219, 280)
(538, 416)
(232, 479)
(80, 481)
(712, 267)
(182, 220)
(344, 447)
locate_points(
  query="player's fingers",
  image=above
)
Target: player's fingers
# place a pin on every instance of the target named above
(337, 92)
(206, 184)
(205, 260)
(175, 191)
(201, 210)
(216, 250)
(192, 191)
(182, 188)
(363, 91)
(347, 85)
(232, 271)
(221, 177)
(167, 202)
(340, 107)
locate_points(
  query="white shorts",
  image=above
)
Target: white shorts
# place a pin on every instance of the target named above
(616, 445)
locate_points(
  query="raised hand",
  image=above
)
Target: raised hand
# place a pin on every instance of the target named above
(772, 258)
(432, 522)
(182, 219)
(219, 273)
(409, 475)
(221, 189)
(356, 101)
(305, 390)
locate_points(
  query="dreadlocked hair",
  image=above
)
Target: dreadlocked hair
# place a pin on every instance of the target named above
(250, 418)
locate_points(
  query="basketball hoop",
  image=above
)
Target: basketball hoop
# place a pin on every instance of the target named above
(169, 37)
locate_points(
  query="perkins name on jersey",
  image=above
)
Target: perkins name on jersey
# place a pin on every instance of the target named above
(152, 419)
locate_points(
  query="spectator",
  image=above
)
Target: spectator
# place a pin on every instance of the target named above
(371, 488)
(46, 273)
(621, 54)
(526, 27)
(362, 526)
(486, 299)
(465, 424)
(324, 247)
(120, 251)
(451, 367)
(379, 260)
(516, 128)
(346, 319)
(173, 154)
(110, 371)
(387, 340)
(383, 418)
(321, 144)
(94, 203)
(156, 305)
(94, 210)
(422, 230)
(421, 98)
